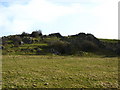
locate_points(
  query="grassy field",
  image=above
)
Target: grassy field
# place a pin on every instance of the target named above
(25, 71)
(109, 40)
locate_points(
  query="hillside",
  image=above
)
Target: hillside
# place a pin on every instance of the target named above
(38, 44)
(55, 61)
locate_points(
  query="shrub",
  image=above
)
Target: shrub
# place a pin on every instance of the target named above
(27, 40)
(88, 46)
(38, 51)
(16, 41)
(61, 47)
(36, 33)
(4, 40)
(56, 35)
(24, 34)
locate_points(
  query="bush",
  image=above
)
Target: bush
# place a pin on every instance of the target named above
(16, 41)
(27, 40)
(36, 33)
(56, 35)
(24, 34)
(38, 51)
(89, 46)
(118, 49)
(4, 40)
(60, 47)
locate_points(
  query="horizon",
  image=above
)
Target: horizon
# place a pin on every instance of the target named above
(60, 33)
(68, 17)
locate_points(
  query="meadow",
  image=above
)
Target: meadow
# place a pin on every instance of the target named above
(52, 71)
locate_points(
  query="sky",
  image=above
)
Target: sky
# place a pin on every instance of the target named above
(68, 17)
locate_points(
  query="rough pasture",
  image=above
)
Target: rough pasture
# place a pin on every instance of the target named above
(25, 71)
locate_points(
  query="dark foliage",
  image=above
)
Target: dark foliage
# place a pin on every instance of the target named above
(24, 34)
(17, 41)
(56, 35)
(88, 46)
(27, 40)
(36, 33)
(60, 45)
(4, 40)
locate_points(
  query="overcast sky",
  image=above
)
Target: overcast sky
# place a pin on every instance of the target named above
(98, 17)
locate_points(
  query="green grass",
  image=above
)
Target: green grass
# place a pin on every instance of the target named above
(109, 40)
(10, 50)
(34, 45)
(25, 71)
